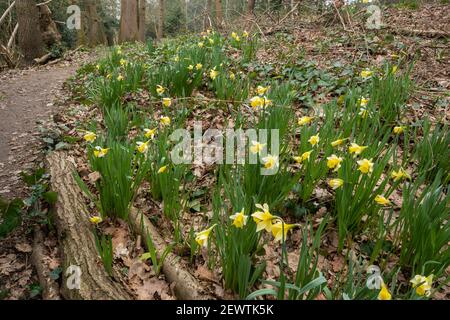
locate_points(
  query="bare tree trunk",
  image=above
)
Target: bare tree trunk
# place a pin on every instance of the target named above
(129, 28)
(208, 14)
(92, 32)
(219, 14)
(250, 7)
(29, 33)
(142, 15)
(50, 33)
(161, 18)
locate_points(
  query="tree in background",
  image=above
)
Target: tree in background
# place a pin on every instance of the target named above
(92, 31)
(219, 15)
(29, 33)
(129, 21)
(161, 18)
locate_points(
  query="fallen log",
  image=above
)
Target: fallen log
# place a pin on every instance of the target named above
(43, 59)
(186, 287)
(76, 238)
(50, 288)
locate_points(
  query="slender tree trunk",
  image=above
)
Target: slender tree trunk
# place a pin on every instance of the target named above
(161, 18)
(219, 14)
(142, 22)
(129, 28)
(250, 7)
(29, 33)
(208, 15)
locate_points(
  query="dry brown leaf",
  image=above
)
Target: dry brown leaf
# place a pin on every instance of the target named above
(24, 247)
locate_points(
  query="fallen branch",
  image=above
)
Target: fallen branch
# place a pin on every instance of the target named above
(50, 288)
(5, 14)
(43, 59)
(76, 237)
(186, 286)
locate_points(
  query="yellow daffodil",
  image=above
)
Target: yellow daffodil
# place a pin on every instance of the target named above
(263, 218)
(356, 149)
(191, 67)
(213, 74)
(270, 162)
(279, 227)
(384, 293)
(341, 100)
(398, 130)
(119, 51)
(232, 76)
(267, 102)
(90, 136)
(95, 220)
(165, 121)
(335, 183)
(305, 120)
(142, 147)
(97, 67)
(211, 41)
(109, 76)
(202, 237)
(201, 44)
(334, 162)
(167, 102)
(365, 165)
(422, 284)
(363, 102)
(160, 90)
(338, 142)
(382, 200)
(150, 133)
(120, 77)
(394, 69)
(123, 62)
(257, 102)
(234, 35)
(237, 39)
(176, 59)
(305, 156)
(245, 34)
(401, 174)
(366, 74)
(256, 147)
(239, 219)
(162, 169)
(100, 152)
(198, 66)
(261, 90)
(314, 140)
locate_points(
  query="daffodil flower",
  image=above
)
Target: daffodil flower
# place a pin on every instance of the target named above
(381, 200)
(232, 76)
(123, 62)
(160, 90)
(109, 76)
(338, 142)
(264, 219)
(162, 169)
(120, 77)
(167, 102)
(245, 34)
(366, 74)
(365, 166)
(384, 293)
(398, 130)
(305, 120)
(165, 121)
(422, 284)
(239, 219)
(257, 102)
(211, 41)
(261, 90)
(256, 147)
(202, 237)
(142, 147)
(90, 136)
(334, 162)
(314, 140)
(363, 102)
(335, 183)
(97, 67)
(356, 149)
(363, 113)
(191, 67)
(270, 162)
(150, 133)
(176, 59)
(394, 69)
(201, 44)
(279, 227)
(234, 35)
(213, 74)
(198, 66)
(95, 220)
(401, 174)
(305, 156)
(100, 152)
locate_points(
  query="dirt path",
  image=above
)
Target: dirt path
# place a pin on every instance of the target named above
(26, 99)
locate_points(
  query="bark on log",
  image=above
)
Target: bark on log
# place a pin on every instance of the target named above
(186, 286)
(50, 289)
(76, 237)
